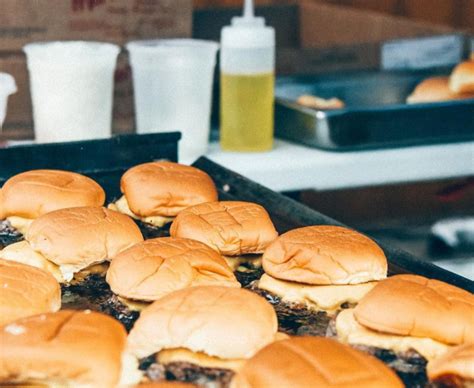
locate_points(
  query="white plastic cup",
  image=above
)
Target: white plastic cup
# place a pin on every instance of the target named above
(72, 89)
(172, 80)
(7, 87)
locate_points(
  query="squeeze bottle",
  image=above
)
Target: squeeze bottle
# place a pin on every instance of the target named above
(247, 77)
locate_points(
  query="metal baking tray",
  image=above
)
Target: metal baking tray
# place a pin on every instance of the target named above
(375, 115)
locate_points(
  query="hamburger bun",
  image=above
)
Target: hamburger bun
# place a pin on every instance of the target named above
(37, 192)
(323, 255)
(76, 238)
(435, 89)
(419, 307)
(151, 269)
(302, 362)
(26, 291)
(462, 78)
(455, 366)
(165, 188)
(221, 322)
(230, 227)
(76, 348)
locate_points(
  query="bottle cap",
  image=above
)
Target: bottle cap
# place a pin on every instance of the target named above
(248, 31)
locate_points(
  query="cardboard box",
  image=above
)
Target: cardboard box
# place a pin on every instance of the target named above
(116, 21)
(325, 60)
(328, 25)
(439, 11)
(384, 6)
(467, 15)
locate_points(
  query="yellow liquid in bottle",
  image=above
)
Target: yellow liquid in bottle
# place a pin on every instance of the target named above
(247, 112)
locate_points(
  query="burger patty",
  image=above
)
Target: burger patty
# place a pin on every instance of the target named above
(246, 274)
(152, 231)
(410, 366)
(8, 234)
(295, 319)
(94, 293)
(186, 372)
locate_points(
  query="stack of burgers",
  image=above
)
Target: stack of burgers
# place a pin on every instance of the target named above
(217, 299)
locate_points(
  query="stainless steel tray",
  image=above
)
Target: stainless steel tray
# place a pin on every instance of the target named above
(375, 115)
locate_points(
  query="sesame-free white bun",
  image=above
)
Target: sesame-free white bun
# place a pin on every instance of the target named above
(67, 348)
(229, 323)
(165, 188)
(231, 227)
(462, 78)
(25, 291)
(302, 362)
(37, 192)
(76, 238)
(151, 269)
(435, 89)
(456, 364)
(419, 307)
(322, 255)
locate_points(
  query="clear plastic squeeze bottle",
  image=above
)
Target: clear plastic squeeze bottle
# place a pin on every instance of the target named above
(247, 65)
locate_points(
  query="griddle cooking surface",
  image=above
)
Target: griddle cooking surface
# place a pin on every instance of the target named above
(95, 294)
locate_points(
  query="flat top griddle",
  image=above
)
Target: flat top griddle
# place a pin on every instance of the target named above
(94, 293)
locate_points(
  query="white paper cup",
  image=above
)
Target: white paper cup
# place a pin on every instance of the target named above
(7, 87)
(72, 89)
(172, 80)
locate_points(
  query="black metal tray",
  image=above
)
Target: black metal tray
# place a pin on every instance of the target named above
(375, 115)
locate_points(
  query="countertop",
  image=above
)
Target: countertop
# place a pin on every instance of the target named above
(291, 167)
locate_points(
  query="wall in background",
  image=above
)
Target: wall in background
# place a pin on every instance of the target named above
(454, 13)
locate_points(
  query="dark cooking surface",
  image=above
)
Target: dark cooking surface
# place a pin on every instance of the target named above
(8, 235)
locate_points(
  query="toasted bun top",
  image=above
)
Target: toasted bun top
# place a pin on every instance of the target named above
(154, 268)
(419, 307)
(34, 193)
(25, 291)
(83, 235)
(230, 227)
(79, 347)
(462, 78)
(165, 188)
(458, 361)
(230, 323)
(435, 89)
(302, 362)
(325, 255)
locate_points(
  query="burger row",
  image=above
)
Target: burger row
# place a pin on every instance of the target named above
(196, 322)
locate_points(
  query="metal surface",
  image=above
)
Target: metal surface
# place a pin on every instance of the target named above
(288, 214)
(375, 115)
